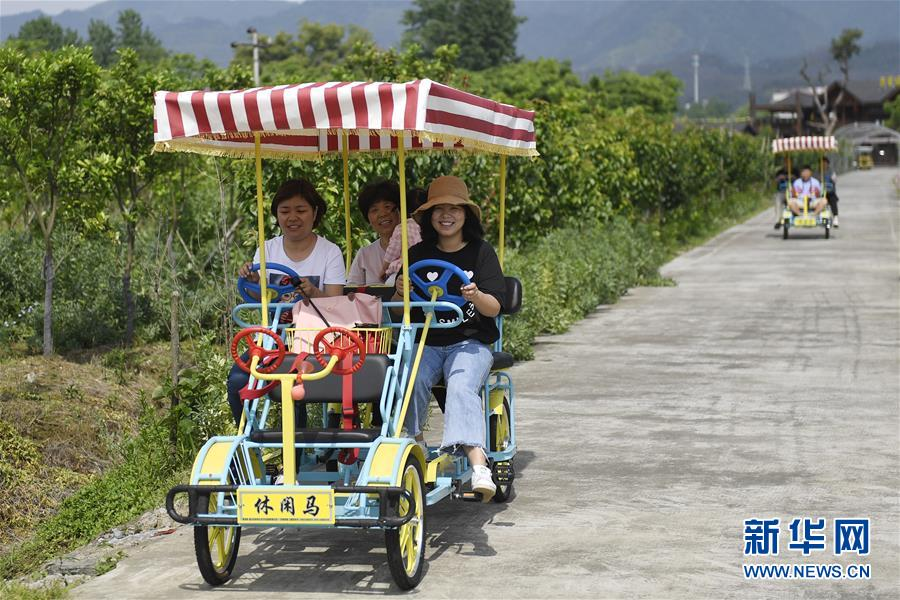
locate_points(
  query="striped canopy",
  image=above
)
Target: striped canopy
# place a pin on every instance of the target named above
(310, 120)
(802, 143)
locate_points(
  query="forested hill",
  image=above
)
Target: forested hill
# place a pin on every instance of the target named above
(641, 36)
(593, 35)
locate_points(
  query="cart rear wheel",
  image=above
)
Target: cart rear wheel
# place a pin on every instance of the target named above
(406, 544)
(501, 438)
(216, 547)
(827, 232)
(784, 231)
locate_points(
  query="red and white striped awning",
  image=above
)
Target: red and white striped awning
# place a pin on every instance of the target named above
(310, 120)
(804, 142)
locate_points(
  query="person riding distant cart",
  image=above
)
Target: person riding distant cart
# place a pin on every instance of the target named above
(807, 186)
(831, 190)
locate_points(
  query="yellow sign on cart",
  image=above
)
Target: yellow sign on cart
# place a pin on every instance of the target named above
(289, 505)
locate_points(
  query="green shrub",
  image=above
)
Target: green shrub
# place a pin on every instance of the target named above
(138, 484)
(571, 271)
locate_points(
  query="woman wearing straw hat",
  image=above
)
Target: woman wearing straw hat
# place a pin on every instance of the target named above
(452, 232)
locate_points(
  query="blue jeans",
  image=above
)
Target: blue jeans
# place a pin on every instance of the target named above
(464, 367)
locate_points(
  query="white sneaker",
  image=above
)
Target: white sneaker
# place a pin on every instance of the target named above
(482, 482)
(834, 222)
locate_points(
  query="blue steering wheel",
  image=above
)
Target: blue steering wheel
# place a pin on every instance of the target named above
(437, 278)
(245, 286)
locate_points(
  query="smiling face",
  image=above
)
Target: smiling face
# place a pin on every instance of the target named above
(448, 219)
(296, 217)
(383, 216)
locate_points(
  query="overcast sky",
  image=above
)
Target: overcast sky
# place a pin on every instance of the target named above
(54, 7)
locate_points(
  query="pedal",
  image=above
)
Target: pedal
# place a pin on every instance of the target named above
(459, 494)
(468, 496)
(503, 472)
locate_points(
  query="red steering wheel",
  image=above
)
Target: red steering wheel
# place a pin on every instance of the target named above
(345, 343)
(256, 350)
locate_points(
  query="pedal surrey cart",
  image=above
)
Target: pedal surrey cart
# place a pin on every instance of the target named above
(805, 144)
(382, 478)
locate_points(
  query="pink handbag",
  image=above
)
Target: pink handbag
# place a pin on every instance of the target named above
(355, 310)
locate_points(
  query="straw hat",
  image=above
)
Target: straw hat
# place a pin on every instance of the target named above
(447, 190)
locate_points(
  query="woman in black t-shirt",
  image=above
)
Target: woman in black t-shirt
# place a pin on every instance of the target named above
(452, 232)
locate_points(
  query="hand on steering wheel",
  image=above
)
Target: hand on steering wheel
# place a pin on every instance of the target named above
(437, 276)
(245, 286)
(256, 350)
(344, 343)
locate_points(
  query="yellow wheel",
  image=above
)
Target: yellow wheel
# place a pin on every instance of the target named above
(406, 544)
(216, 547)
(501, 439)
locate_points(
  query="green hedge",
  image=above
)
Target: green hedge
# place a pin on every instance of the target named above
(571, 271)
(138, 484)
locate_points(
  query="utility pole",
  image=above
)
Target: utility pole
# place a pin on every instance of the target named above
(696, 78)
(254, 43)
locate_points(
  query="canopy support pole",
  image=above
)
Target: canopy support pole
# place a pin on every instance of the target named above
(345, 155)
(502, 207)
(404, 239)
(261, 230)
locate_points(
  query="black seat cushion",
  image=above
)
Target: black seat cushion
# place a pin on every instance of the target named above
(318, 436)
(502, 360)
(513, 297)
(367, 382)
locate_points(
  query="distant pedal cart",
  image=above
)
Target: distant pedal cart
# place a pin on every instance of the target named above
(864, 162)
(807, 219)
(354, 469)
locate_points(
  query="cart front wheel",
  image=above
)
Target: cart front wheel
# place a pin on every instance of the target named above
(216, 547)
(827, 231)
(406, 544)
(784, 231)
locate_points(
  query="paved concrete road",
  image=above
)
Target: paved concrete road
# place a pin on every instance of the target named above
(764, 385)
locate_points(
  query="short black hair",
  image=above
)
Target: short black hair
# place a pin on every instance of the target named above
(471, 230)
(825, 159)
(804, 167)
(303, 188)
(415, 198)
(375, 191)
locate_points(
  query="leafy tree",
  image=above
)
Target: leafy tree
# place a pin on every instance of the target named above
(42, 107)
(657, 93)
(892, 108)
(122, 114)
(311, 55)
(131, 33)
(367, 62)
(102, 39)
(843, 48)
(44, 34)
(523, 82)
(328, 44)
(486, 30)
